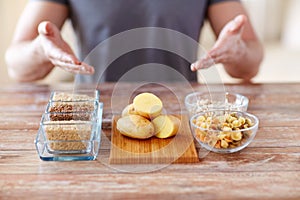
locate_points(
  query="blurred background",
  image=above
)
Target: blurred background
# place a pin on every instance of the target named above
(275, 21)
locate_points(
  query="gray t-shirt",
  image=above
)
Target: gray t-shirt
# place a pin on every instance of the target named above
(138, 40)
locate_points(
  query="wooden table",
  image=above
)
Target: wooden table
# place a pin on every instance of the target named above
(269, 168)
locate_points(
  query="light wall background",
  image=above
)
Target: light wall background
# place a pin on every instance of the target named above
(9, 13)
(276, 23)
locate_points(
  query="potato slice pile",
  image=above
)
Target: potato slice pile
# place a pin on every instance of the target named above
(143, 119)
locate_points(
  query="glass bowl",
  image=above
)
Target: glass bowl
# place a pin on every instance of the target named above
(72, 106)
(71, 135)
(201, 101)
(224, 131)
(70, 128)
(76, 95)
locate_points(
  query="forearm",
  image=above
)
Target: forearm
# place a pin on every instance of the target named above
(27, 62)
(246, 66)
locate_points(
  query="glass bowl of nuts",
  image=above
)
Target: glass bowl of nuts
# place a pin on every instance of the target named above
(201, 101)
(224, 131)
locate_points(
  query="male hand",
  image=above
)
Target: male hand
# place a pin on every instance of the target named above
(229, 47)
(58, 51)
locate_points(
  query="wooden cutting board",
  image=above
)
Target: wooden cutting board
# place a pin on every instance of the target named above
(177, 149)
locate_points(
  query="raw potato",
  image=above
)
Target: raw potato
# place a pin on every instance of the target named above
(166, 126)
(135, 126)
(147, 105)
(129, 110)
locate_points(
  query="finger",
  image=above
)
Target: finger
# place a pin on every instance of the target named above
(238, 23)
(48, 29)
(80, 69)
(202, 63)
(234, 27)
(233, 30)
(87, 68)
(63, 56)
(221, 55)
(222, 59)
(42, 28)
(217, 51)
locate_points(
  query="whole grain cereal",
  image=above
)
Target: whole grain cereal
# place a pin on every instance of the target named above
(68, 135)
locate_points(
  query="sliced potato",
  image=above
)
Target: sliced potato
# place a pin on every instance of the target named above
(166, 126)
(135, 126)
(129, 110)
(147, 105)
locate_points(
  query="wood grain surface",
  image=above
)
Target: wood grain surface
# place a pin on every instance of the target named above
(177, 149)
(269, 168)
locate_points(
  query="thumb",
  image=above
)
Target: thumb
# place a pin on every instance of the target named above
(238, 23)
(48, 28)
(233, 28)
